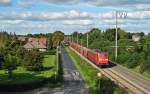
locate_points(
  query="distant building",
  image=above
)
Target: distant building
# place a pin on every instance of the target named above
(39, 43)
(136, 37)
(23, 39)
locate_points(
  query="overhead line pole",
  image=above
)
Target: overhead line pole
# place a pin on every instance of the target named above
(87, 39)
(77, 38)
(116, 43)
(121, 15)
(72, 37)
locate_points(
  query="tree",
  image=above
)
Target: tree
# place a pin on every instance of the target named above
(110, 34)
(141, 34)
(57, 37)
(133, 61)
(10, 63)
(129, 35)
(20, 53)
(3, 38)
(50, 43)
(106, 86)
(145, 66)
(1, 58)
(33, 60)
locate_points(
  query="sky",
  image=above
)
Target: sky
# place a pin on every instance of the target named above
(44, 16)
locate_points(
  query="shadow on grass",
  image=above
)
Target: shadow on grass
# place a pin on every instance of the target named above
(47, 68)
(22, 82)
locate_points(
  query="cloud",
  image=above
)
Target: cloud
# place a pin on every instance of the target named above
(62, 1)
(44, 16)
(116, 2)
(11, 21)
(121, 4)
(139, 15)
(5, 2)
(134, 15)
(25, 3)
(78, 22)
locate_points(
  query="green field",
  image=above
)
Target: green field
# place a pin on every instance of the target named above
(21, 75)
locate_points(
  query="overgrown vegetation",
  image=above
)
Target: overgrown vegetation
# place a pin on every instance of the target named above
(96, 85)
(132, 54)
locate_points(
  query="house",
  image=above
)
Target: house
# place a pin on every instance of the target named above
(39, 43)
(136, 37)
(23, 39)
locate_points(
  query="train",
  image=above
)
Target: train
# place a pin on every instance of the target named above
(96, 56)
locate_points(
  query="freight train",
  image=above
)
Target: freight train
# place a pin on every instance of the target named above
(96, 56)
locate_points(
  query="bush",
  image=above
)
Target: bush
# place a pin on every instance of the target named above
(26, 86)
(33, 60)
(106, 86)
(52, 52)
(133, 61)
(122, 58)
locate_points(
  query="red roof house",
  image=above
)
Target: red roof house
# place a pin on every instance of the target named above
(39, 43)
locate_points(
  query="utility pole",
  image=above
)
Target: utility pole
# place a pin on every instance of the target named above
(121, 15)
(87, 40)
(116, 48)
(72, 37)
(81, 46)
(77, 38)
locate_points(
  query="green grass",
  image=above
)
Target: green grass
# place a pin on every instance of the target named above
(21, 75)
(88, 73)
(49, 61)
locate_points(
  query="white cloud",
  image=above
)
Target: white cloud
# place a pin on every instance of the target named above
(11, 21)
(78, 22)
(62, 1)
(134, 15)
(25, 3)
(107, 15)
(44, 16)
(117, 2)
(140, 6)
(139, 15)
(5, 2)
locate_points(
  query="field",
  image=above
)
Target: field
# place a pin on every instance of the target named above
(21, 75)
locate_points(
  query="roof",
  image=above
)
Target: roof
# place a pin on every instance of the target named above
(39, 43)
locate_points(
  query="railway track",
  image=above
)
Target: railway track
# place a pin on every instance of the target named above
(123, 82)
(133, 82)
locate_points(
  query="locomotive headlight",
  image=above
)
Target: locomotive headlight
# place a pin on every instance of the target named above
(106, 59)
(100, 59)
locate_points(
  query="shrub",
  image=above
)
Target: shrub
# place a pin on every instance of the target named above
(33, 60)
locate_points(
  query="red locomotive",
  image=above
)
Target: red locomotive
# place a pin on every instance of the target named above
(96, 56)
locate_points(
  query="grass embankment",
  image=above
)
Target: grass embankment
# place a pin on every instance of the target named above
(89, 74)
(22, 76)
